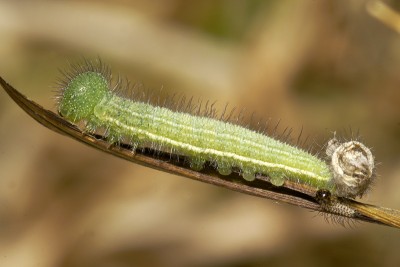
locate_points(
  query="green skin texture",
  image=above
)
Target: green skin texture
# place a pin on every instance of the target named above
(87, 97)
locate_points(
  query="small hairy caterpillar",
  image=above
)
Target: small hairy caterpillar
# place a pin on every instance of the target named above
(87, 95)
(329, 203)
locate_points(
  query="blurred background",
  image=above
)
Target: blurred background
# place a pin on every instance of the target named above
(321, 65)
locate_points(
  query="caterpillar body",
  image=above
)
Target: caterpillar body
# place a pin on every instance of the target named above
(86, 94)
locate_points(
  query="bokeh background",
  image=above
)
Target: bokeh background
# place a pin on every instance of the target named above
(321, 65)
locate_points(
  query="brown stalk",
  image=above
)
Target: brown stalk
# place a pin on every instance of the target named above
(290, 192)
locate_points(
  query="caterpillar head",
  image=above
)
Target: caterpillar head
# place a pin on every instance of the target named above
(82, 89)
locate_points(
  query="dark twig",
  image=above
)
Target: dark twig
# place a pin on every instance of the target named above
(290, 192)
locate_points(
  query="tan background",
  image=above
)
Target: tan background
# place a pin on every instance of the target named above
(323, 65)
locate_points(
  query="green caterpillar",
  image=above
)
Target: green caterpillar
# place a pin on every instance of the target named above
(86, 95)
